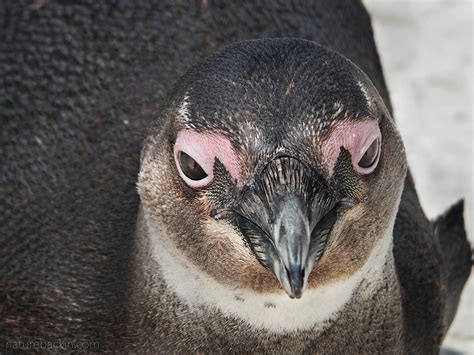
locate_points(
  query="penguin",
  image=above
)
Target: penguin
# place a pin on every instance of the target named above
(175, 180)
(268, 203)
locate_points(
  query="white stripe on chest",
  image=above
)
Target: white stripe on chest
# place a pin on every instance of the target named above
(273, 312)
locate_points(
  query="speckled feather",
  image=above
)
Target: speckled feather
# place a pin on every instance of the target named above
(80, 84)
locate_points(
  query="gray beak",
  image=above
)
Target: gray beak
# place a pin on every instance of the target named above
(286, 216)
(292, 238)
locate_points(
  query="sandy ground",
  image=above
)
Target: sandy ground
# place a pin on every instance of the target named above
(426, 51)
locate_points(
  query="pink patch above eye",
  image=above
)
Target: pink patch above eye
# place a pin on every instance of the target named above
(204, 149)
(356, 137)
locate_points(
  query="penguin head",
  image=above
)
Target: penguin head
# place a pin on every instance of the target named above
(276, 167)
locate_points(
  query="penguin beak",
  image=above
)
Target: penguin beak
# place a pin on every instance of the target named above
(286, 216)
(291, 238)
(299, 237)
(287, 235)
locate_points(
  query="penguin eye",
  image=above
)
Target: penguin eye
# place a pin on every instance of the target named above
(195, 155)
(190, 167)
(370, 156)
(362, 139)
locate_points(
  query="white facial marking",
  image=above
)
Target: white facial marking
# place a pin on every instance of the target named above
(367, 97)
(275, 312)
(183, 113)
(339, 107)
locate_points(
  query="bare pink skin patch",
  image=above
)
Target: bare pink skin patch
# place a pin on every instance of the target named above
(356, 137)
(204, 148)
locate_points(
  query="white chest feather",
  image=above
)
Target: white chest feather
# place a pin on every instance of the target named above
(273, 312)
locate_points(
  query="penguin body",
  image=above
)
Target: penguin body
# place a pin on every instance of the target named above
(83, 83)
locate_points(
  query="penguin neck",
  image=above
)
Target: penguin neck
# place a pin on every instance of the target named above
(272, 312)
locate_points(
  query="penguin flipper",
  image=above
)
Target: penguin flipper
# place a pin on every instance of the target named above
(457, 254)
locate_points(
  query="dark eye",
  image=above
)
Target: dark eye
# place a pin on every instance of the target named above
(370, 155)
(190, 167)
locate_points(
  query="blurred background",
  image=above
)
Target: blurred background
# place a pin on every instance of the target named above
(426, 52)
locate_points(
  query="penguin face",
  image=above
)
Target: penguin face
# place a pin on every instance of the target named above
(277, 167)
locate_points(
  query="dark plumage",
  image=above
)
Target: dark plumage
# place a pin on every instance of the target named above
(81, 84)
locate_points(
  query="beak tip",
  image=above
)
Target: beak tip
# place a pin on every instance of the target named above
(294, 283)
(294, 294)
(298, 294)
